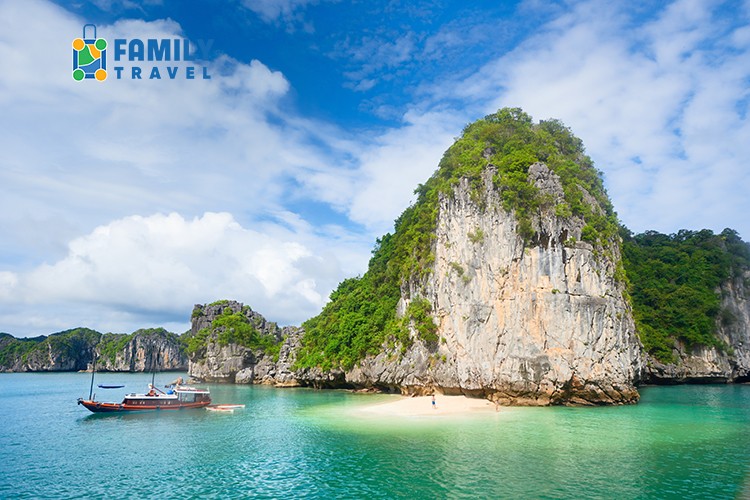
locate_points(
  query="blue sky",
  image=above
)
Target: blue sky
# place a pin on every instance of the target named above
(125, 202)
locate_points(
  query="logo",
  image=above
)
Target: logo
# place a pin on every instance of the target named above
(138, 58)
(89, 57)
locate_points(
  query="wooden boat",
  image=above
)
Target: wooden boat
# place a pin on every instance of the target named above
(179, 398)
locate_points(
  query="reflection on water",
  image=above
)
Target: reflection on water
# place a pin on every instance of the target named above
(680, 442)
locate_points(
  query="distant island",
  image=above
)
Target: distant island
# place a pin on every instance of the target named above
(510, 278)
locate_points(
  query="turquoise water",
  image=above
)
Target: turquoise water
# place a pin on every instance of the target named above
(679, 442)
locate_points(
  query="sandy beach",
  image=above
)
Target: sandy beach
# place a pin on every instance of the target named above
(421, 406)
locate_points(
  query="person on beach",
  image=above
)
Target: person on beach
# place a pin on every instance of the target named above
(433, 403)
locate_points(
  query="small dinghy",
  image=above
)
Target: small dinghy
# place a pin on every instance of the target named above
(105, 386)
(224, 408)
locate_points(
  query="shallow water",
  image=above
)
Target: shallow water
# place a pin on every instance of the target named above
(679, 442)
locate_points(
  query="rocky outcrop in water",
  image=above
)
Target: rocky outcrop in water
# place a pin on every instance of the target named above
(519, 322)
(214, 360)
(538, 323)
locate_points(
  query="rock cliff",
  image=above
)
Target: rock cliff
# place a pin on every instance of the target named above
(71, 350)
(503, 280)
(74, 350)
(708, 364)
(143, 351)
(539, 323)
(216, 357)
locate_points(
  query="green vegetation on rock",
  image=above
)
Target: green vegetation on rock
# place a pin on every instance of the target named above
(68, 344)
(674, 285)
(418, 313)
(357, 320)
(361, 315)
(512, 142)
(476, 236)
(233, 328)
(77, 345)
(111, 344)
(12, 349)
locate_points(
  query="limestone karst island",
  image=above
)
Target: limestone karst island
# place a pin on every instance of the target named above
(510, 278)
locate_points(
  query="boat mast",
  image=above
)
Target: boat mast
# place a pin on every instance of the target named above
(93, 371)
(153, 366)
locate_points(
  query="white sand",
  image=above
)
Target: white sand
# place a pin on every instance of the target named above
(421, 406)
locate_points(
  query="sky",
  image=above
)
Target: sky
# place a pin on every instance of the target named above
(125, 202)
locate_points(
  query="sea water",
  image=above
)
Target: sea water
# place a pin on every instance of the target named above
(678, 442)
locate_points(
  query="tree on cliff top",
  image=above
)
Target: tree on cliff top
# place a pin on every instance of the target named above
(361, 314)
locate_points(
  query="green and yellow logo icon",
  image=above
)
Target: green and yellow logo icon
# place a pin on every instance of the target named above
(89, 57)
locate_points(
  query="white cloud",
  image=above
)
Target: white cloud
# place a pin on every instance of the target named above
(84, 155)
(114, 5)
(126, 146)
(372, 56)
(662, 109)
(162, 264)
(397, 161)
(286, 11)
(656, 105)
(378, 180)
(8, 282)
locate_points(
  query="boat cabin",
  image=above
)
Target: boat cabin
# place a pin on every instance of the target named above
(178, 397)
(192, 395)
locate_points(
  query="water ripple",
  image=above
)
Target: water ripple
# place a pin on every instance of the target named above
(680, 442)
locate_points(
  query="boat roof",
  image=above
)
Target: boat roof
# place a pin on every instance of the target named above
(146, 396)
(185, 388)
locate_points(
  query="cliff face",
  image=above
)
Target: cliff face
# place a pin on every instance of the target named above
(66, 351)
(537, 321)
(710, 364)
(145, 351)
(539, 324)
(734, 325)
(218, 361)
(74, 350)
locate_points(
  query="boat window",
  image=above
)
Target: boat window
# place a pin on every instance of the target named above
(187, 397)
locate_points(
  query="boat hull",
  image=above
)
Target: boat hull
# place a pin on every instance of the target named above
(98, 407)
